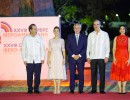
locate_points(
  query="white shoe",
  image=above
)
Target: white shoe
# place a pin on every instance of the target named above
(55, 92)
(58, 92)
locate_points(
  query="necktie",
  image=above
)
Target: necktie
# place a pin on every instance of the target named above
(77, 38)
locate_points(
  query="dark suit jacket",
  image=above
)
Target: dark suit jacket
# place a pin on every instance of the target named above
(73, 48)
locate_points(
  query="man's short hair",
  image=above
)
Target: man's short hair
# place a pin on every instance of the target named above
(30, 27)
(78, 24)
(96, 21)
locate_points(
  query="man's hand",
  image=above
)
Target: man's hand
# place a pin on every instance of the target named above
(76, 57)
(106, 59)
(42, 61)
(88, 60)
(25, 63)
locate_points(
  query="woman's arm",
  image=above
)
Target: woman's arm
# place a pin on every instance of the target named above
(48, 55)
(63, 51)
(114, 49)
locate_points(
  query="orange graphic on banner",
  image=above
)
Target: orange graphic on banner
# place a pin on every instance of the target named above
(6, 27)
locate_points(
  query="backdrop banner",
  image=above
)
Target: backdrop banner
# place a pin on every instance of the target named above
(12, 31)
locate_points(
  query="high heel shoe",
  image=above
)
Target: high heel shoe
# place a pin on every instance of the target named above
(120, 91)
(124, 91)
(58, 92)
(54, 92)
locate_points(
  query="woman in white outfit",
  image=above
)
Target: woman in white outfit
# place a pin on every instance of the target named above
(56, 60)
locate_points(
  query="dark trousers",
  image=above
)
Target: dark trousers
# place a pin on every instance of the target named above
(95, 65)
(80, 69)
(33, 69)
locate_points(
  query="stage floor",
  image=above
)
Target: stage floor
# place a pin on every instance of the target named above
(47, 85)
(63, 96)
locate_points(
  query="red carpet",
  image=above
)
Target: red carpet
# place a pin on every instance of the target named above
(62, 96)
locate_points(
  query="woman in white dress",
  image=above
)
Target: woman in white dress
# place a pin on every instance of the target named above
(56, 60)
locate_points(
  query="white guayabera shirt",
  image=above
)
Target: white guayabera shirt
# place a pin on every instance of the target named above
(98, 45)
(33, 49)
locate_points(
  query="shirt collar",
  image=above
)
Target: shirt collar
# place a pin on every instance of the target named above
(77, 34)
(32, 36)
(98, 32)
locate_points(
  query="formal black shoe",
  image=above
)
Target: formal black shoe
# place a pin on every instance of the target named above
(119, 92)
(102, 92)
(92, 92)
(37, 92)
(124, 93)
(29, 92)
(71, 92)
(81, 92)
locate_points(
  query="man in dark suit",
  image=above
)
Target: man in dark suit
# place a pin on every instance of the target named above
(76, 49)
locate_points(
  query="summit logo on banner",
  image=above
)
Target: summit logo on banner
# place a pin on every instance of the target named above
(5, 27)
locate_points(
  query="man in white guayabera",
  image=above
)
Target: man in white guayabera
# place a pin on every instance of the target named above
(33, 54)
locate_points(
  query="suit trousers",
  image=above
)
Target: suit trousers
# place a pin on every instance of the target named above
(80, 69)
(95, 65)
(33, 69)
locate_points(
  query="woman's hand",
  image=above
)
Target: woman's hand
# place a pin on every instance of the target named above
(63, 62)
(25, 63)
(114, 61)
(48, 63)
(128, 62)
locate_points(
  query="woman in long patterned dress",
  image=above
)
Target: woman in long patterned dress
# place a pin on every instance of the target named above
(120, 68)
(56, 60)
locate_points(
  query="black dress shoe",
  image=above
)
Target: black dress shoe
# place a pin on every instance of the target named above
(119, 92)
(81, 92)
(92, 92)
(102, 92)
(124, 92)
(37, 92)
(29, 92)
(72, 91)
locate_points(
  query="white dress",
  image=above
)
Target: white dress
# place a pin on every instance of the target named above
(56, 69)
